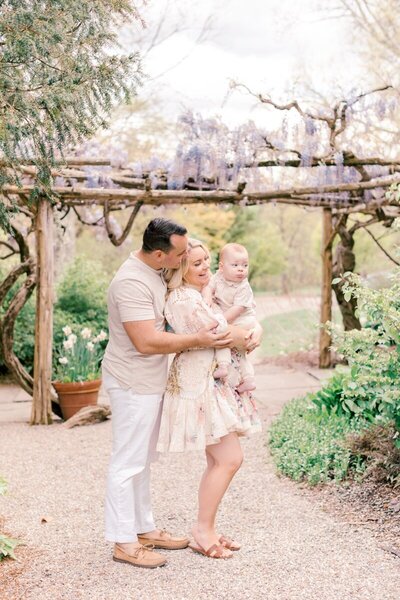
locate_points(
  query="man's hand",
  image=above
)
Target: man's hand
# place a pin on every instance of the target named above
(209, 338)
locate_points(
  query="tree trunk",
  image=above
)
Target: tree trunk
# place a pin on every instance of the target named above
(325, 340)
(343, 262)
(42, 388)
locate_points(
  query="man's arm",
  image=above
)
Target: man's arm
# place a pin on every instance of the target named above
(148, 340)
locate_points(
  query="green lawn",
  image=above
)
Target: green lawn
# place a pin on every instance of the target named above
(290, 332)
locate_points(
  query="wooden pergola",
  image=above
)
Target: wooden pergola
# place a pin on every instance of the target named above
(130, 193)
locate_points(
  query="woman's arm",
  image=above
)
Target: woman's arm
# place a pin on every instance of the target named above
(148, 340)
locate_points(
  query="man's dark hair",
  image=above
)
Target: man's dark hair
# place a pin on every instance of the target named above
(157, 235)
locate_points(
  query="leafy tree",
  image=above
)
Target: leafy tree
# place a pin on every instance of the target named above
(255, 231)
(207, 223)
(60, 75)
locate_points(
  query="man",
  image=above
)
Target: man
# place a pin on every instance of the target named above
(134, 374)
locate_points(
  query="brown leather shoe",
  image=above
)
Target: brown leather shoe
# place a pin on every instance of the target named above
(143, 557)
(165, 540)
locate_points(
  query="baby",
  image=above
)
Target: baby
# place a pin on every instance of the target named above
(231, 292)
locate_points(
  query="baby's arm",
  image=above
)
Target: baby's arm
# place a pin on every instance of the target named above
(233, 313)
(207, 295)
(243, 300)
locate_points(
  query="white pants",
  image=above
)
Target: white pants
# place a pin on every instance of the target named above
(135, 426)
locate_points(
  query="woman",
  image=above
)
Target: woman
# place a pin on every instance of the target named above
(200, 412)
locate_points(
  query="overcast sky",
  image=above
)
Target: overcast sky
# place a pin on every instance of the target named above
(270, 45)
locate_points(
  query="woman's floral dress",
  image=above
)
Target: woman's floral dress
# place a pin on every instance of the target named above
(198, 410)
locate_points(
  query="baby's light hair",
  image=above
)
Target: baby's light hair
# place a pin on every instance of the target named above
(229, 247)
(176, 277)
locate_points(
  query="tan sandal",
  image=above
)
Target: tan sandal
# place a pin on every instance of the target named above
(214, 551)
(229, 543)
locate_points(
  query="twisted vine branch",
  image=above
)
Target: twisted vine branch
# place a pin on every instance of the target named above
(117, 241)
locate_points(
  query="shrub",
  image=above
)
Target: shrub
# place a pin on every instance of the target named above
(308, 444)
(330, 397)
(81, 303)
(81, 293)
(372, 389)
(7, 545)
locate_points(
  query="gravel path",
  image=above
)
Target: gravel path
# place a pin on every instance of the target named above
(292, 550)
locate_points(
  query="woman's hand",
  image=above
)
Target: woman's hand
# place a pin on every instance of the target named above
(255, 337)
(244, 339)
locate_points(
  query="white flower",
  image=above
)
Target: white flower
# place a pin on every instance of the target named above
(72, 338)
(68, 344)
(86, 333)
(67, 330)
(63, 360)
(90, 346)
(99, 338)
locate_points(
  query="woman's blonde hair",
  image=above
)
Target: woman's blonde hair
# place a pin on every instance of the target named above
(176, 277)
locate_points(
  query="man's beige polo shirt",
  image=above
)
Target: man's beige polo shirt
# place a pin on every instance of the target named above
(137, 293)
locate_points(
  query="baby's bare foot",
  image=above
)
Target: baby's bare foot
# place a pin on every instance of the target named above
(248, 385)
(221, 372)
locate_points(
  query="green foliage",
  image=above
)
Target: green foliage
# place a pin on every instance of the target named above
(261, 238)
(81, 303)
(330, 397)
(371, 389)
(308, 445)
(7, 545)
(210, 224)
(24, 333)
(60, 75)
(81, 293)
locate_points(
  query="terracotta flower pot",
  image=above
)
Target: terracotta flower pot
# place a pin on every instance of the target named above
(75, 395)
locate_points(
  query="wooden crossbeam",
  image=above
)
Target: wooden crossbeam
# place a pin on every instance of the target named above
(78, 195)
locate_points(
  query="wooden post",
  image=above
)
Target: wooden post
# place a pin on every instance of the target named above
(325, 339)
(41, 405)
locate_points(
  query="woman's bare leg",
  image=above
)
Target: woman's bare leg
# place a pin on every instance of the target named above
(223, 460)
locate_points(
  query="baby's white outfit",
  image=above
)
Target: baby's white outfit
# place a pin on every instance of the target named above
(227, 294)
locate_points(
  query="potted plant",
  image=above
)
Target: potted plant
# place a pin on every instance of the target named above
(77, 377)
